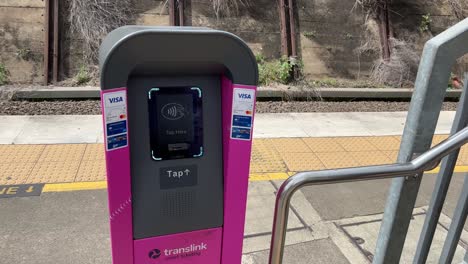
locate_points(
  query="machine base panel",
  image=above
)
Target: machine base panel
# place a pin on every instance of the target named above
(197, 247)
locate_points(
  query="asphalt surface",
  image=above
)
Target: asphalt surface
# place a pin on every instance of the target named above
(93, 107)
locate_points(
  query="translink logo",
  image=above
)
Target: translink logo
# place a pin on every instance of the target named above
(175, 253)
(192, 248)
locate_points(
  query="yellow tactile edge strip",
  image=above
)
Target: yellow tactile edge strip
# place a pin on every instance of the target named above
(82, 186)
(272, 158)
(74, 186)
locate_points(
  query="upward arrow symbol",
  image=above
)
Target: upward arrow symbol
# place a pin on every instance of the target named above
(187, 171)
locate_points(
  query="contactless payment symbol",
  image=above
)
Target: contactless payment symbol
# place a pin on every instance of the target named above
(154, 254)
(173, 111)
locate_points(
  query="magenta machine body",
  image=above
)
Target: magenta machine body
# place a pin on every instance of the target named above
(178, 107)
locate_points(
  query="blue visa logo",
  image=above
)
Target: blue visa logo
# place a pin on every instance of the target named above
(116, 100)
(245, 96)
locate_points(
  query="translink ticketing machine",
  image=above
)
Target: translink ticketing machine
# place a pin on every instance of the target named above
(178, 107)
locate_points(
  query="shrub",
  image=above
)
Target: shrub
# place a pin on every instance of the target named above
(278, 71)
(83, 76)
(94, 19)
(426, 21)
(3, 74)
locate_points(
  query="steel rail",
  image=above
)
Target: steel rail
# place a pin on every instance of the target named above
(415, 168)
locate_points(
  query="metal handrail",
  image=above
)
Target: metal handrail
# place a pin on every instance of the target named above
(415, 168)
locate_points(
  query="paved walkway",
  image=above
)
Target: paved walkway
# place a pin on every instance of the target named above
(328, 224)
(88, 128)
(63, 149)
(273, 158)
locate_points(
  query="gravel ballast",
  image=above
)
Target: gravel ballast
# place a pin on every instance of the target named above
(92, 107)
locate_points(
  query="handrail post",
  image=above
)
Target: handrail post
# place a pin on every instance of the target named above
(280, 221)
(442, 184)
(424, 162)
(438, 57)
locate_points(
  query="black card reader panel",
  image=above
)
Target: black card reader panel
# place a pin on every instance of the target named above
(176, 129)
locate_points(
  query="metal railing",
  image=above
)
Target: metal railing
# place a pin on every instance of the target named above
(427, 161)
(439, 55)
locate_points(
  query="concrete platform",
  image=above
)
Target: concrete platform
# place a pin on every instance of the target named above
(67, 222)
(71, 129)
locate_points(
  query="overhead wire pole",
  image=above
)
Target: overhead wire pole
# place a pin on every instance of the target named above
(46, 42)
(292, 29)
(283, 28)
(288, 33)
(181, 8)
(176, 12)
(172, 13)
(55, 53)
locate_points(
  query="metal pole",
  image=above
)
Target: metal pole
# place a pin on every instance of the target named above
(292, 37)
(426, 161)
(456, 227)
(442, 184)
(283, 28)
(46, 42)
(292, 28)
(181, 9)
(172, 12)
(439, 55)
(55, 68)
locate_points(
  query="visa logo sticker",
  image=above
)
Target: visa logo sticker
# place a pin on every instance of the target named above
(245, 96)
(115, 119)
(116, 99)
(243, 105)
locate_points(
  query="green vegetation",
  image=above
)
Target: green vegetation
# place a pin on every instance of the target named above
(343, 83)
(310, 34)
(24, 54)
(83, 76)
(327, 82)
(274, 71)
(3, 74)
(450, 82)
(455, 82)
(425, 23)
